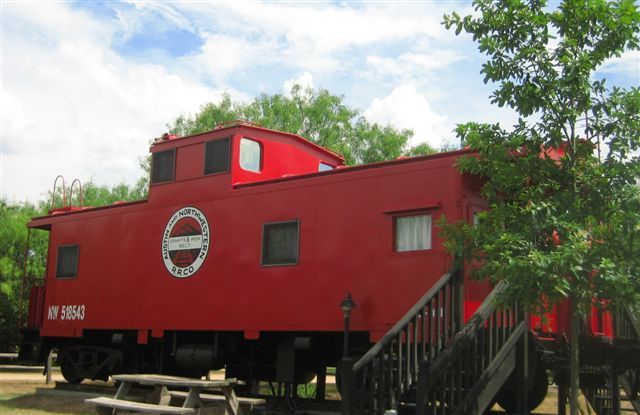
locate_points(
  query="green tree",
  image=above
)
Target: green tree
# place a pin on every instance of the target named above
(316, 115)
(563, 222)
(95, 195)
(13, 254)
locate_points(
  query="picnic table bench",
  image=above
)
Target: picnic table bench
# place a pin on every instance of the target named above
(161, 396)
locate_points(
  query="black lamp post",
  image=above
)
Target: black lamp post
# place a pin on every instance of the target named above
(347, 305)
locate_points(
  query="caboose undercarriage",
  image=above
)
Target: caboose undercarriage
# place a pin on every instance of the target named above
(286, 357)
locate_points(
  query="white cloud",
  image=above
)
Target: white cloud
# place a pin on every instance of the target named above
(413, 65)
(628, 64)
(329, 27)
(12, 118)
(305, 80)
(406, 108)
(76, 108)
(223, 55)
(312, 37)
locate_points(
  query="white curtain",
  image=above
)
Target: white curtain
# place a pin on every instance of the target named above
(413, 233)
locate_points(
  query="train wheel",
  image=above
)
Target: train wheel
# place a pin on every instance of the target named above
(508, 398)
(69, 372)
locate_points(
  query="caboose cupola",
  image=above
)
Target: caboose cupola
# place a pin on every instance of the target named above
(240, 153)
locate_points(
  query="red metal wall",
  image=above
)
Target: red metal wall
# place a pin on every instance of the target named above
(346, 245)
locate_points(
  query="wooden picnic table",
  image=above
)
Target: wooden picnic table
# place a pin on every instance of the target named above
(161, 396)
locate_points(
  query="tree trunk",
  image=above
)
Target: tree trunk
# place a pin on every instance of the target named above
(574, 359)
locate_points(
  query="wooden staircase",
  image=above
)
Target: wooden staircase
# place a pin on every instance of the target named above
(429, 364)
(617, 384)
(467, 375)
(611, 398)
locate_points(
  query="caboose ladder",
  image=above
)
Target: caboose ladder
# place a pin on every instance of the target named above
(427, 363)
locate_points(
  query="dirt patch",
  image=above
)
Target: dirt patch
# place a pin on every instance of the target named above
(18, 396)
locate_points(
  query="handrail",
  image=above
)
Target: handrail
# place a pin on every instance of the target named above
(492, 368)
(466, 335)
(80, 193)
(626, 324)
(459, 374)
(64, 192)
(635, 323)
(382, 377)
(402, 323)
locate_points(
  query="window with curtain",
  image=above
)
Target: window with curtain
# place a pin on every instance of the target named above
(413, 233)
(280, 243)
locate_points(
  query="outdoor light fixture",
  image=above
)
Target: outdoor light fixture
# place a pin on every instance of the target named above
(347, 305)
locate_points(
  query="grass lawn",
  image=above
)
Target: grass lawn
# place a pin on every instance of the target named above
(18, 397)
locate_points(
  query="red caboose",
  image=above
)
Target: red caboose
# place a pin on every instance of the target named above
(241, 255)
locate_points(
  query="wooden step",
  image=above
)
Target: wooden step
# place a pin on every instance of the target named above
(105, 402)
(206, 397)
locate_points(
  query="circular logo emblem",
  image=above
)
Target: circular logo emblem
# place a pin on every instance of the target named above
(185, 242)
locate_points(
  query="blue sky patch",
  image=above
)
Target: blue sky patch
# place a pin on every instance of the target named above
(175, 43)
(99, 9)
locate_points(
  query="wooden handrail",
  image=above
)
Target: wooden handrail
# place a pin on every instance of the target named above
(466, 335)
(463, 370)
(635, 323)
(394, 361)
(498, 359)
(402, 323)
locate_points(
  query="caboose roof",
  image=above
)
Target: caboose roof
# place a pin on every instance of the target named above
(361, 167)
(44, 222)
(176, 142)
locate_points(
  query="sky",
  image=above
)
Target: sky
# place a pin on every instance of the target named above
(86, 85)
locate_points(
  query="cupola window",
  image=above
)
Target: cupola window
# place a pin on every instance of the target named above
(250, 155)
(216, 156)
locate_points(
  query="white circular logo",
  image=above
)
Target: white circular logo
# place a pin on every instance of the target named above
(185, 242)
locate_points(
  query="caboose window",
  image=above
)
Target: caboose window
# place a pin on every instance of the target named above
(216, 156)
(280, 243)
(250, 155)
(324, 167)
(413, 233)
(162, 166)
(67, 263)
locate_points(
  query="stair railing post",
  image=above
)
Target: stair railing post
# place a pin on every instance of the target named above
(458, 285)
(347, 386)
(523, 368)
(615, 393)
(421, 392)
